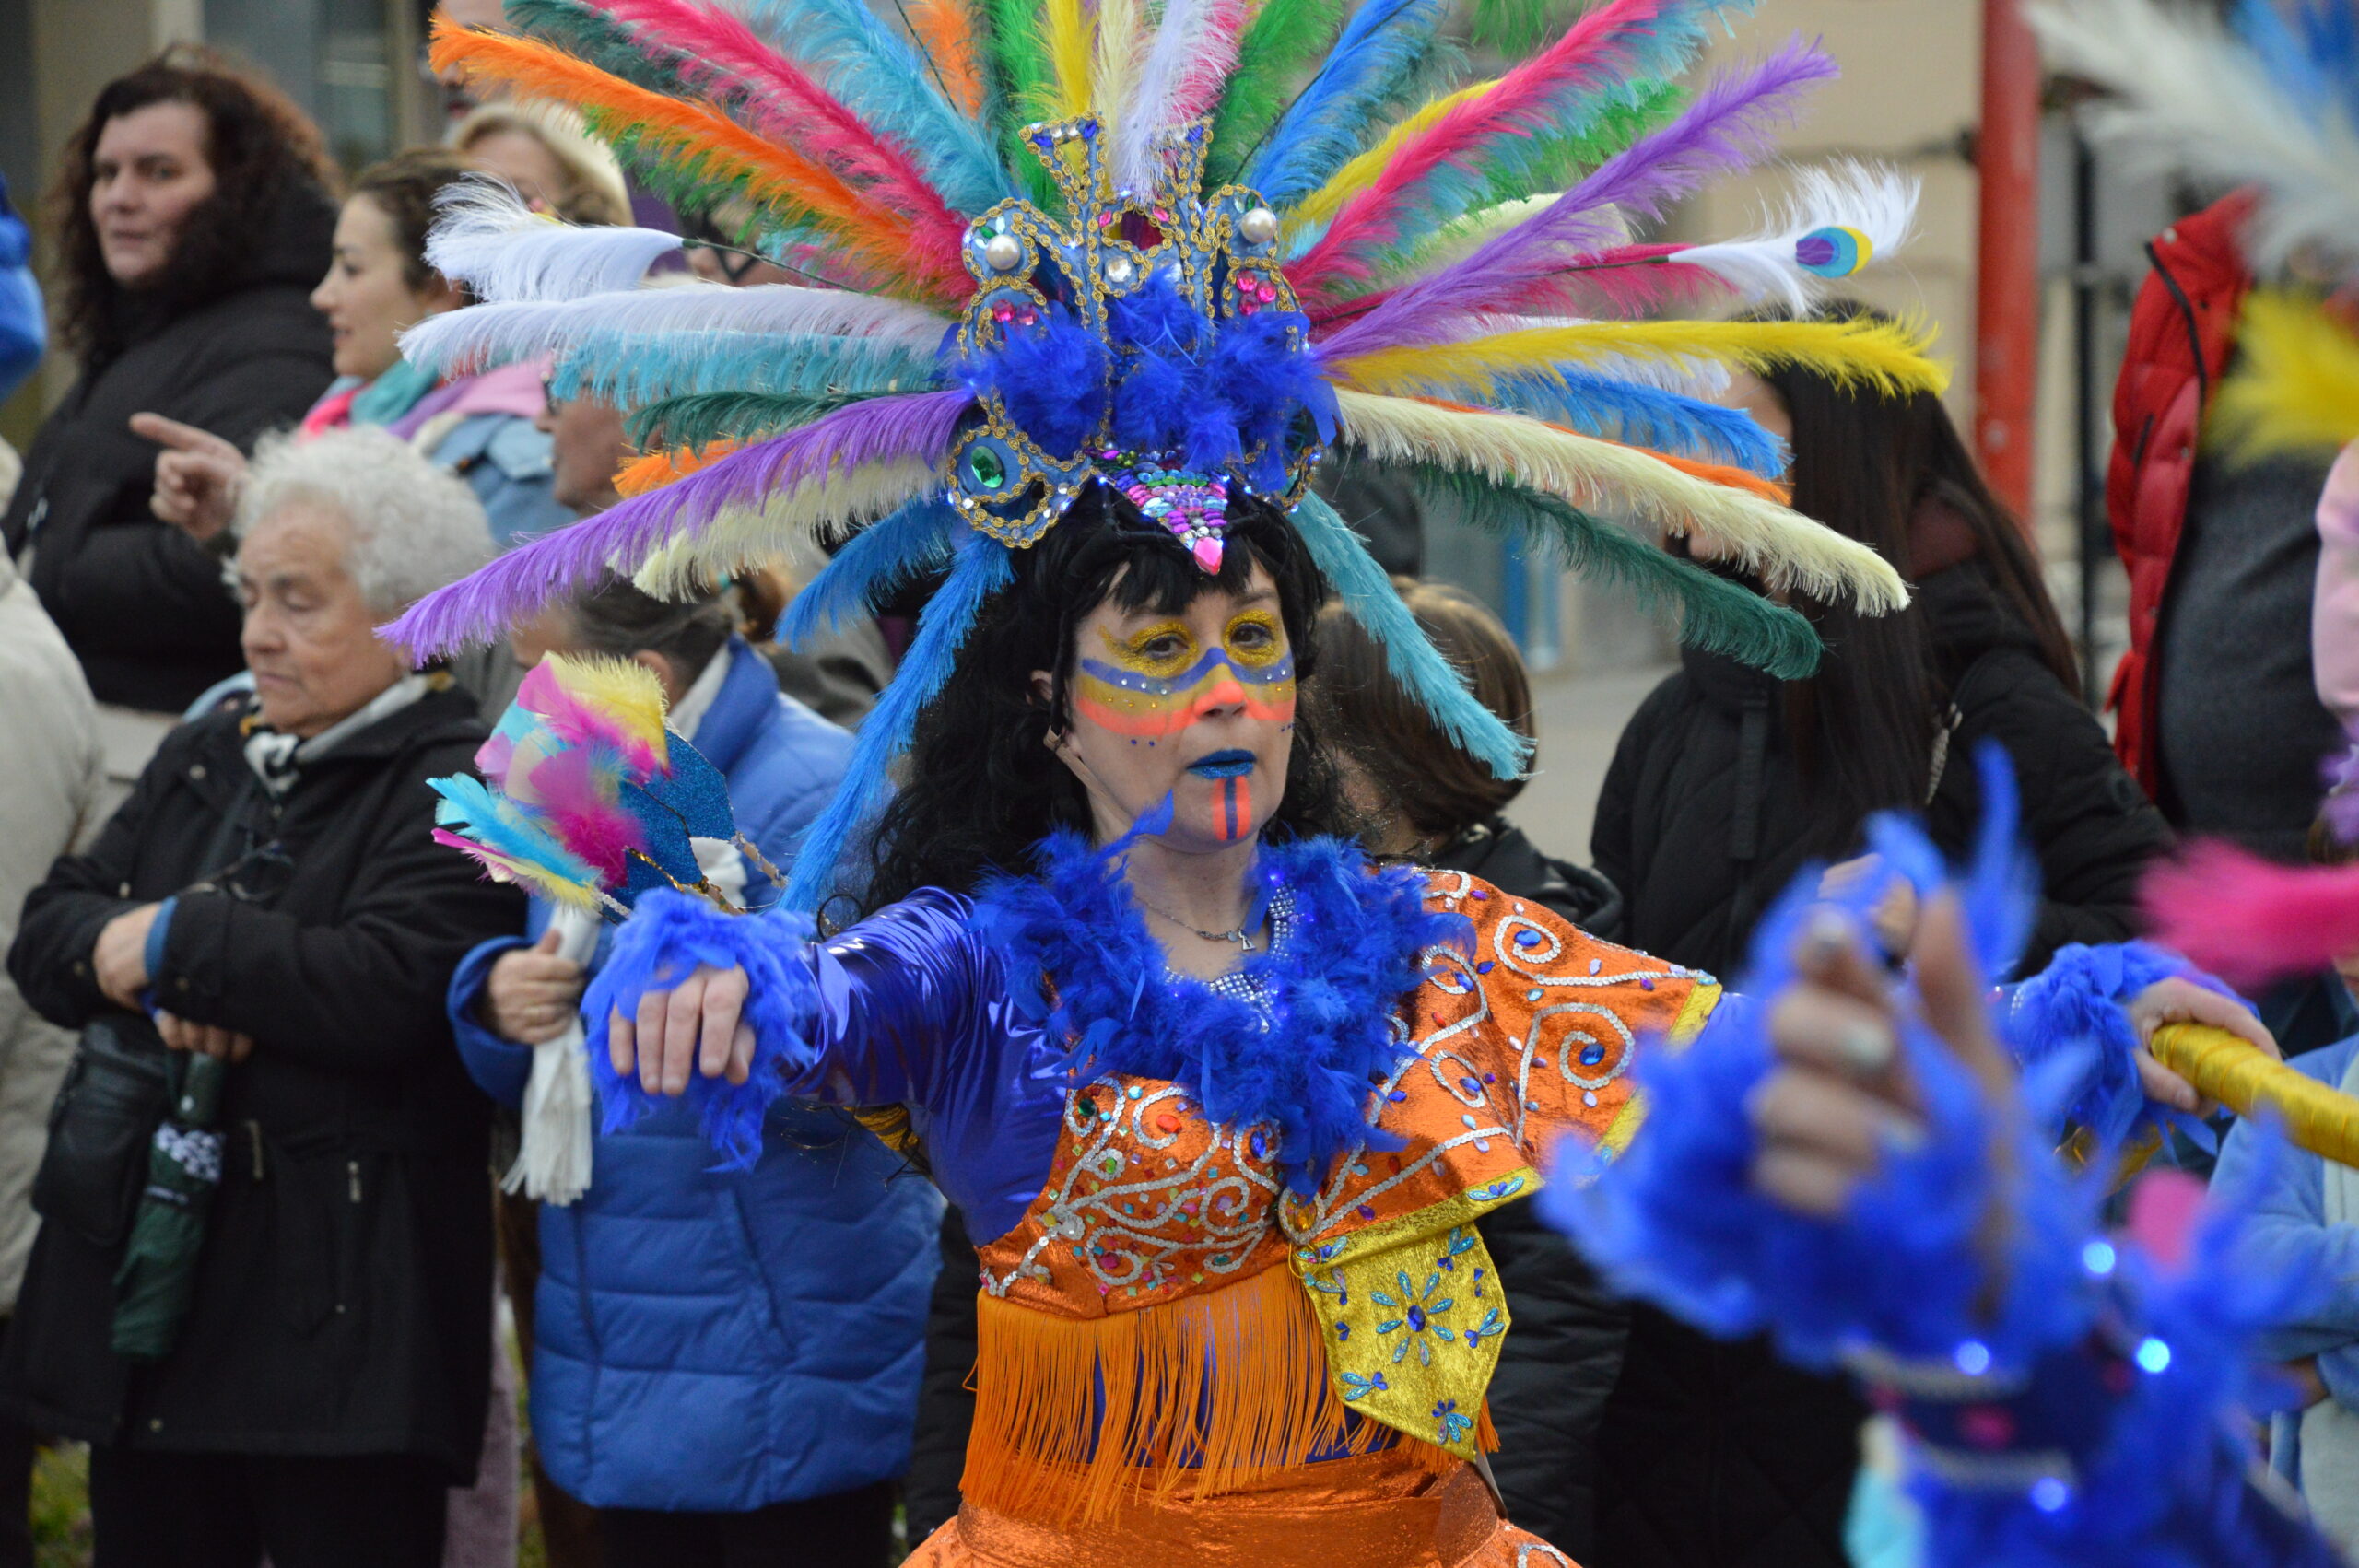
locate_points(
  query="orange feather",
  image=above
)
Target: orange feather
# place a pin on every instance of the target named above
(880, 242)
(947, 39)
(658, 469)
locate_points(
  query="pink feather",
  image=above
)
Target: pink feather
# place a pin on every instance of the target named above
(1595, 51)
(724, 51)
(576, 793)
(2249, 920)
(582, 723)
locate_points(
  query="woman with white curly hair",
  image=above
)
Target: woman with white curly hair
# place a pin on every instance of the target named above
(270, 896)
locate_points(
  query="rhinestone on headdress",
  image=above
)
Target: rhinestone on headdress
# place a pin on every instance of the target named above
(1048, 318)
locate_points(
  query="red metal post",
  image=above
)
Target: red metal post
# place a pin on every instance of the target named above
(2006, 312)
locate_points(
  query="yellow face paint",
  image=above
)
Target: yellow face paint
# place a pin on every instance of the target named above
(1157, 681)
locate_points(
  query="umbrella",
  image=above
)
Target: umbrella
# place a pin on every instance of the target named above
(158, 1276)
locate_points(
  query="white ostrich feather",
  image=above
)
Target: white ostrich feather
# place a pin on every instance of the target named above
(1877, 200)
(488, 239)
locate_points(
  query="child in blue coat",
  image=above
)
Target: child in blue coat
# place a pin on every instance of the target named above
(725, 1363)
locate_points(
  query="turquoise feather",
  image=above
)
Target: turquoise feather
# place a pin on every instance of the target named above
(1716, 615)
(981, 570)
(1369, 595)
(633, 369)
(881, 76)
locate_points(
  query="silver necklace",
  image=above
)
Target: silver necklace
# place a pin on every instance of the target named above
(1244, 942)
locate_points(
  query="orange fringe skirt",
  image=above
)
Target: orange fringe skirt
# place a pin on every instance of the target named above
(1381, 1510)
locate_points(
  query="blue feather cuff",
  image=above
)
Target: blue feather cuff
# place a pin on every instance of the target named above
(2071, 1009)
(667, 937)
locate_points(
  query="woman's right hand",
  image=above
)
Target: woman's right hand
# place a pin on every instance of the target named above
(197, 475)
(696, 1027)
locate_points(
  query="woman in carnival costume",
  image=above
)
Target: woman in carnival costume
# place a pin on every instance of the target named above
(1087, 298)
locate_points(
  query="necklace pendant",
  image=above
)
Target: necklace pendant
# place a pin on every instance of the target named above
(1244, 942)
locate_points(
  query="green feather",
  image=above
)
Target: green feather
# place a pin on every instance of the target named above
(1715, 615)
(599, 39)
(1016, 66)
(1515, 28)
(1558, 161)
(1280, 49)
(699, 420)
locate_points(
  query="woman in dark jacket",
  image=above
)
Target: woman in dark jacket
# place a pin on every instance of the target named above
(195, 218)
(1725, 784)
(271, 896)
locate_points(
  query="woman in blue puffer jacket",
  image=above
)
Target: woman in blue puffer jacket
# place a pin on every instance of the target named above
(725, 1363)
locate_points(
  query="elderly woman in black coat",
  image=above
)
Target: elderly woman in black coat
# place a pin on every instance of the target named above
(270, 895)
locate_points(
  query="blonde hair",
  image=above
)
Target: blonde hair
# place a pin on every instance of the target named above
(595, 190)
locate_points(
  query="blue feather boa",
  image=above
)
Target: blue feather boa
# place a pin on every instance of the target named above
(2073, 1007)
(1352, 950)
(669, 934)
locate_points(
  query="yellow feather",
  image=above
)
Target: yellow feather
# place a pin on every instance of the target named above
(1628, 485)
(786, 520)
(1068, 40)
(1113, 73)
(629, 693)
(1888, 357)
(1320, 206)
(2296, 386)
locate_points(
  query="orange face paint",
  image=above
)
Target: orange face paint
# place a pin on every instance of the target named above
(1158, 683)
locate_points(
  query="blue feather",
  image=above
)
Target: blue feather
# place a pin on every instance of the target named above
(982, 569)
(1368, 593)
(1380, 47)
(2313, 56)
(632, 369)
(879, 74)
(1644, 415)
(879, 558)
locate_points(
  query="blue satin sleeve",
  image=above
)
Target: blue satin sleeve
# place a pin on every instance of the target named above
(910, 1007)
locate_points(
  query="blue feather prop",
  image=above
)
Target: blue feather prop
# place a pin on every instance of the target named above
(2071, 1010)
(1368, 594)
(1380, 49)
(878, 559)
(981, 570)
(879, 74)
(633, 369)
(1638, 415)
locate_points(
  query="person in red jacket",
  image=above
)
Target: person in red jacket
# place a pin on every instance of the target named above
(2218, 716)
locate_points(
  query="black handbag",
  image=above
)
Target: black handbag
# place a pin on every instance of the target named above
(115, 1095)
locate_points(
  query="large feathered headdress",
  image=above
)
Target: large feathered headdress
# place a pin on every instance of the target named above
(1179, 253)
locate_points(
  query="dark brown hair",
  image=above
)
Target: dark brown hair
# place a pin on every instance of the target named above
(1365, 715)
(1864, 463)
(403, 187)
(262, 149)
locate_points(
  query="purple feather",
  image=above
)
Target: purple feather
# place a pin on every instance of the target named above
(1728, 126)
(483, 604)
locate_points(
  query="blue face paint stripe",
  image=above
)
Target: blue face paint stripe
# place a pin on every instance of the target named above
(1228, 796)
(1171, 685)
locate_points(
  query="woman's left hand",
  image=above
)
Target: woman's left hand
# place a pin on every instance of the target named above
(696, 1027)
(2183, 1002)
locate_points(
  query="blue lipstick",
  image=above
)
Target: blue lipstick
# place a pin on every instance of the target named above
(1223, 765)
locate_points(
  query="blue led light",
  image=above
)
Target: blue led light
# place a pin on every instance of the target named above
(1973, 1358)
(2048, 1494)
(2098, 1258)
(2152, 1354)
